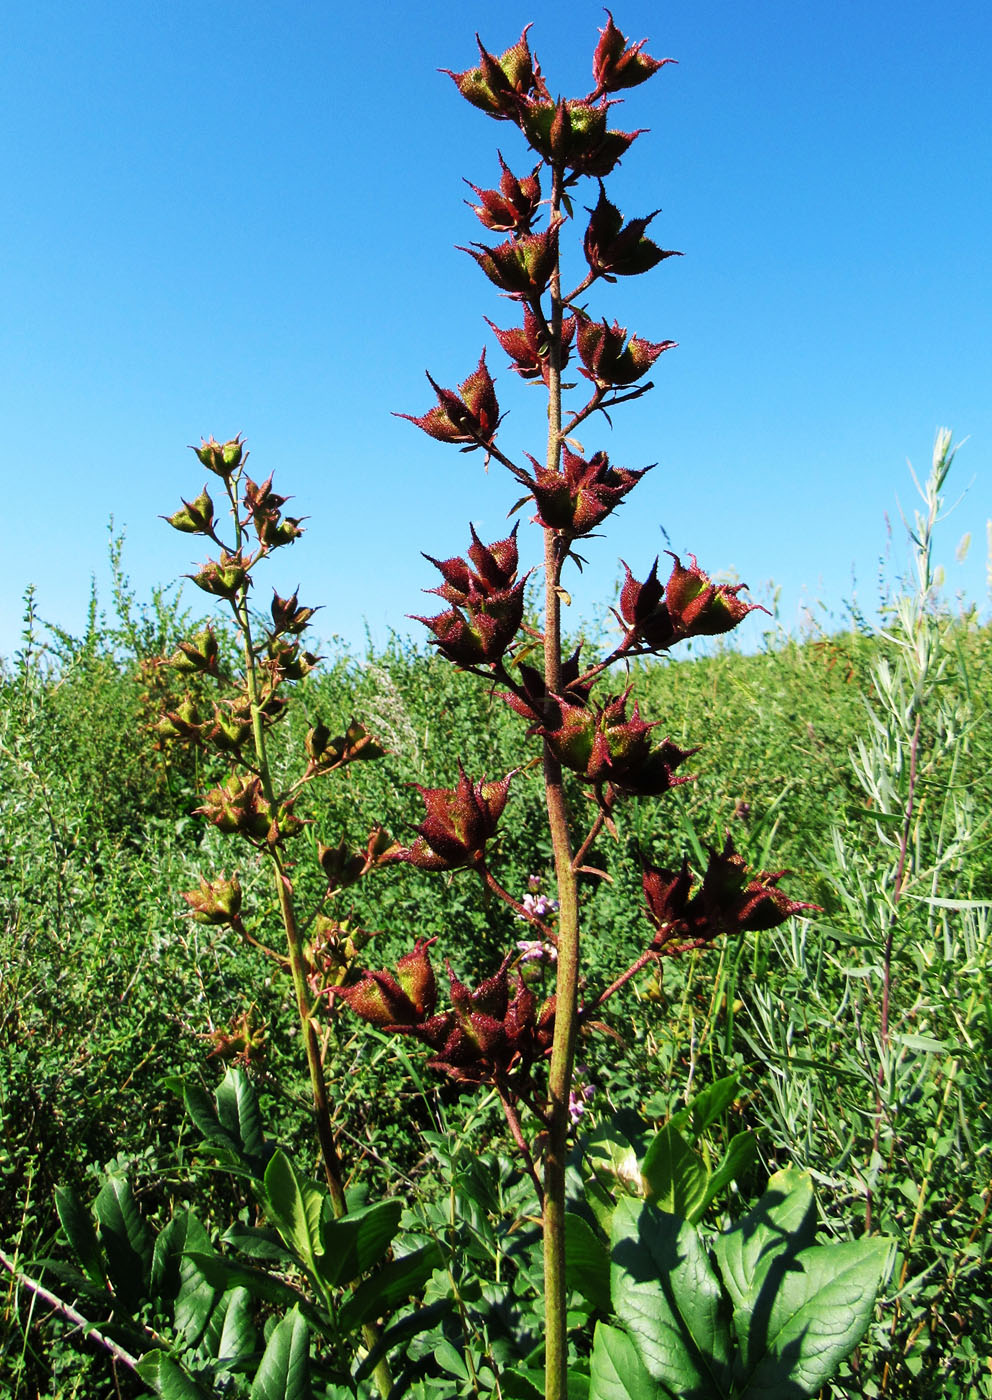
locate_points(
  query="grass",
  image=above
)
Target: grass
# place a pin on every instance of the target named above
(106, 991)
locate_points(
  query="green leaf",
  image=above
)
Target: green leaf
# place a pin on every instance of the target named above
(184, 1231)
(587, 1262)
(238, 1114)
(617, 1371)
(450, 1360)
(799, 1308)
(126, 1241)
(201, 1109)
(295, 1206)
(669, 1298)
(395, 1281)
(919, 1042)
(746, 1251)
(707, 1106)
(675, 1177)
(356, 1242)
(225, 1273)
(740, 1153)
(80, 1232)
(167, 1378)
(230, 1336)
(612, 1158)
(284, 1372)
(257, 1241)
(523, 1383)
(813, 1309)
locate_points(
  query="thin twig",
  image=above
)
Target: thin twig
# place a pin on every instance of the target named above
(88, 1329)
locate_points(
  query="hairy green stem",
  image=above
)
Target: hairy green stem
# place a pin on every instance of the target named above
(331, 1160)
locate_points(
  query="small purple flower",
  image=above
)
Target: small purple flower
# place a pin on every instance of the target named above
(532, 950)
(579, 1095)
(539, 905)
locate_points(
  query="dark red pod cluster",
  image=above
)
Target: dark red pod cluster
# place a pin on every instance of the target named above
(729, 900)
(265, 507)
(531, 700)
(690, 605)
(573, 134)
(458, 824)
(471, 416)
(499, 86)
(522, 266)
(511, 208)
(396, 1003)
(604, 745)
(487, 602)
(491, 1032)
(610, 358)
(616, 66)
(240, 805)
(528, 346)
(580, 496)
(614, 249)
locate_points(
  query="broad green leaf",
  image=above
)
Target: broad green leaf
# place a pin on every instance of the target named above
(167, 1378)
(200, 1107)
(126, 1241)
(611, 1155)
(238, 1114)
(295, 1205)
(587, 1262)
(225, 1273)
(617, 1370)
(809, 1316)
(740, 1153)
(258, 1242)
(578, 1385)
(356, 1242)
(397, 1280)
(230, 1336)
(450, 1360)
(669, 1299)
(745, 1252)
(184, 1231)
(284, 1371)
(601, 1203)
(522, 1383)
(707, 1106)
(80, 1232)
(675, 1177)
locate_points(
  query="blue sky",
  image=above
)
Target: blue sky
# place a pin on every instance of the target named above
(228, 217)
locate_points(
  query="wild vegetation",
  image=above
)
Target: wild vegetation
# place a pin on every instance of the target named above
(248, 1147)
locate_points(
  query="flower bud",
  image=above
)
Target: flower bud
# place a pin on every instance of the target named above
(341, 866)
(615, 66)
(196, 517)
(224, 578)
(215, 902)
(471, 416)
(200, 654)
(610, 359)
(458, 824)
(223, 459)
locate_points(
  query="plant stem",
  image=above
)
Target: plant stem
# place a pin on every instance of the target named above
(284, 893)
(566, 1002)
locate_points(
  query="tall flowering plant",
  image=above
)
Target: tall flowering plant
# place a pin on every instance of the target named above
(502, 1033)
